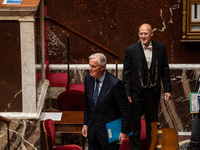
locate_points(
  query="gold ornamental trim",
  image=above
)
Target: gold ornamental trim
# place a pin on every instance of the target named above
(194, 37)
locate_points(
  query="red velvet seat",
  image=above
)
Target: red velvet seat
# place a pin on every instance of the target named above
(56, 79)
(49, 130)
(61, 80)
(143, 139)
(71, 100)
(78, 87)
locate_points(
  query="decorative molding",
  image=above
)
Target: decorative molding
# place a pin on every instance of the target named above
(184, 19)
(187, 23)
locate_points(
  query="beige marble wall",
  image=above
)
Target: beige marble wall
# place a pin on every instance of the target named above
(24, 135)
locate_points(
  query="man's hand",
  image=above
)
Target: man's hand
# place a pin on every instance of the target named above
(167, 96)
(129, 99)
(84, 131)
(122, 137)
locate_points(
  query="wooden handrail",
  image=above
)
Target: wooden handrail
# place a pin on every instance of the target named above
(5, 120)
(116, 56)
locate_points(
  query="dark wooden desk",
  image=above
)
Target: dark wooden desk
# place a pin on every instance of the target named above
(71, 122)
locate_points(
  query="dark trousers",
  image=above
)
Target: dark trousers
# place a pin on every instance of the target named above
(96, 145)
(146, 103)
(195, 137)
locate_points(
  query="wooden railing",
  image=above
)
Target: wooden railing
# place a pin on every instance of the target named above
(113, 54)
(7, 122)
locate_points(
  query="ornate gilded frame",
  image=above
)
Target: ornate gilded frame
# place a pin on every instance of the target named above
(191, 20)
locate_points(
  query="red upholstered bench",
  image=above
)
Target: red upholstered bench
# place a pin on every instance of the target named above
(143, 139)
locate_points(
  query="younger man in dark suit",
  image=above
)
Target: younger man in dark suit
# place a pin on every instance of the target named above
(105, 101)
(145, 66)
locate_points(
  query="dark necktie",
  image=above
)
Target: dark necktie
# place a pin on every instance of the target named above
(96, 92)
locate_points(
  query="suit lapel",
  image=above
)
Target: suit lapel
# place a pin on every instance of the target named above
(154, 57)
(92, 91)
(139, 55)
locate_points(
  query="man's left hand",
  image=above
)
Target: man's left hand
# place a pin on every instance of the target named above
(122, 137)
(167, 96)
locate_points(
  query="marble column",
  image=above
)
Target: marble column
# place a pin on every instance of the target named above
(27, 34)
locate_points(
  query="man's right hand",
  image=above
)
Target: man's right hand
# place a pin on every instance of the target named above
(129, 99)
(84, 131)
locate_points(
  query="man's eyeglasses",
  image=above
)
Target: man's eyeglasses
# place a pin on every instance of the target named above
(143, 33)
(93, 66)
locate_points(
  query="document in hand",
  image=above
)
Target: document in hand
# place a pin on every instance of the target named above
(194, 102)
(114, 130)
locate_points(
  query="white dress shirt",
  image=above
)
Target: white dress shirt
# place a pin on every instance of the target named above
(148, 53)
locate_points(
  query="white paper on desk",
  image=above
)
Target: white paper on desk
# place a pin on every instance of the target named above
(56, 116)
(4, 2)
(12, 2)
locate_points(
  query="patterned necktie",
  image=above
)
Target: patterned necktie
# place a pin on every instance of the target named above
(96, 92)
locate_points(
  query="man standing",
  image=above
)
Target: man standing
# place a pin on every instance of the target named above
(145, 66)
(105, 101)
(195, 136)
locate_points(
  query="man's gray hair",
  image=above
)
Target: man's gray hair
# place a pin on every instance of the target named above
(101, 56)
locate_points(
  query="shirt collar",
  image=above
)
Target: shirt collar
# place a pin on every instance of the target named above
(150, 44)
(101, 79)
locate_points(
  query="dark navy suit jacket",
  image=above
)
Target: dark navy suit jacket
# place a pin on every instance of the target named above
(112, 104)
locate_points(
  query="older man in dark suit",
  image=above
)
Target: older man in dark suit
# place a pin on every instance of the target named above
(105, 101)
(145, 66)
